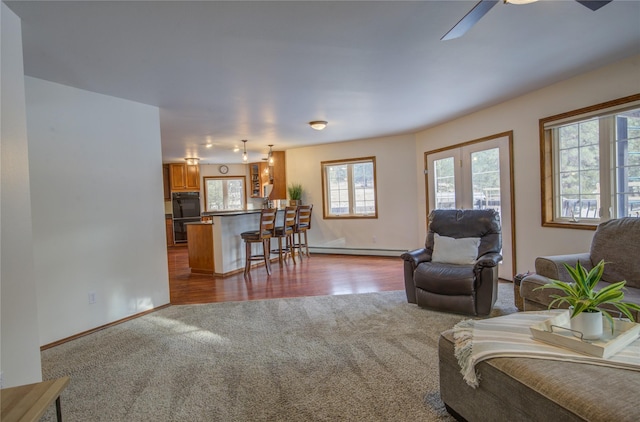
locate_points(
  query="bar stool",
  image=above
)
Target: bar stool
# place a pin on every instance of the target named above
(262, 235)
(303, 224)
(286, 231)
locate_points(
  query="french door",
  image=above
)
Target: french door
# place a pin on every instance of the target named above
(476, 175)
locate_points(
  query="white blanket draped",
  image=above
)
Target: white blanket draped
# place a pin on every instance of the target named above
(509, 336)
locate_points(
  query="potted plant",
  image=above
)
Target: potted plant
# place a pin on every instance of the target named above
(295, 193)
(585, 302)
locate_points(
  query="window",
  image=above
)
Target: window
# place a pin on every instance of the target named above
(224, 193)
(591, 164)
(349, 188)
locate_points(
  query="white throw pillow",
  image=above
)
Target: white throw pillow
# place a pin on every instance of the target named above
(448, 250)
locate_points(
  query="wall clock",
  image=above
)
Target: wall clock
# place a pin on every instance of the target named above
(223, 169)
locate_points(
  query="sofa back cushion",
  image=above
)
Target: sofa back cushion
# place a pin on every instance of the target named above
(618, 243)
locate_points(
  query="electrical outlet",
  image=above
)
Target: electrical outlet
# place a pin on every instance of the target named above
(1, 379)
(92, 298)
(374, 239)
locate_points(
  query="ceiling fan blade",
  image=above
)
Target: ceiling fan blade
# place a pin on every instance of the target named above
(470, 19)
(594, 4)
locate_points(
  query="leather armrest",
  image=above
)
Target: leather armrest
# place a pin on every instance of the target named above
(488, 260)
(416, 256)
(553, 266)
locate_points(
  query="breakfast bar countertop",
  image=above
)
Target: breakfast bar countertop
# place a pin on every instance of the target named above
(229, 213)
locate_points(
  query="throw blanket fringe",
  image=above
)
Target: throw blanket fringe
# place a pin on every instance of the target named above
(463, 336)
(510, 336)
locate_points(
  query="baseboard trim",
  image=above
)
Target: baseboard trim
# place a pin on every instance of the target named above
(357, 251)
(102, 327)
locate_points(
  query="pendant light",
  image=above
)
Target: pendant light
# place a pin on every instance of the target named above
(245, 158)
(270, 156)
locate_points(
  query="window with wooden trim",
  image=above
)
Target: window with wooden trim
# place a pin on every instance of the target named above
(349, 188)
(224, 193)
(591, 164)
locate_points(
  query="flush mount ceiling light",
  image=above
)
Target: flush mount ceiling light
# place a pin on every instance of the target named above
(318, 124)
(520, 1)
(245, 158)
(192, 160)
(270, 155)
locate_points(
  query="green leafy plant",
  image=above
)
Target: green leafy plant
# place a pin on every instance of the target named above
(582, 296)
(295, 191)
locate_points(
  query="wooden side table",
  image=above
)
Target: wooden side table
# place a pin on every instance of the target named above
(28, 403)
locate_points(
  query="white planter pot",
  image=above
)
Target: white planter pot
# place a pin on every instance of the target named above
(589, 324)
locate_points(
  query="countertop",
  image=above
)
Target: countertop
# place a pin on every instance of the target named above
(229, 213)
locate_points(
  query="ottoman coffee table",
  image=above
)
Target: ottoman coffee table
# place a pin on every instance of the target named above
(526, 389)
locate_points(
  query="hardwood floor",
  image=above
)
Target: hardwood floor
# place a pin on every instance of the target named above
(319, 275)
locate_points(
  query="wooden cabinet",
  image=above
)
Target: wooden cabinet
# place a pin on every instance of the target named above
(278, 177)
(259, 175)
(184, 177)
(201, 258)
(169, 228)
(262, 174)
(165, 182)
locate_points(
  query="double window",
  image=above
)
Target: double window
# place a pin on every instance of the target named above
(591, 164)
(349, 188)
(224, 193)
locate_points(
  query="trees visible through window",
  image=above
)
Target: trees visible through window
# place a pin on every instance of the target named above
(591, 164)
(224, 193)
(349, 188)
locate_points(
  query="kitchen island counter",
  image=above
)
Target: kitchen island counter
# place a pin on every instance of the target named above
(215, 247)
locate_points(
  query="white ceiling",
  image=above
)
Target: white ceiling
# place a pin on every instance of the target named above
(221, 72)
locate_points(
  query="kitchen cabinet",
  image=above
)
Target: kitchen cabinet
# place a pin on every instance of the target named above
(165, 182)
(262, 174)
(278, 177)
(259, 177)
(184, 177)
(169, 229)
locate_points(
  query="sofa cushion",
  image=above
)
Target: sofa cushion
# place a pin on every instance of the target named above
(449, 250)
(618, 243)
(445, 279)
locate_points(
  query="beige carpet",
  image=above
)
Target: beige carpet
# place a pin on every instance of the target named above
(362, 357)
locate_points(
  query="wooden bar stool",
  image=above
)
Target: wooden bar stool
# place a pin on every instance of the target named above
(286, 231)
(303, 224)
(262, 235)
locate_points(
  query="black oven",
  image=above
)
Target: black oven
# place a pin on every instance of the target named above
(186, 205)
(180, 229)
(186, 209)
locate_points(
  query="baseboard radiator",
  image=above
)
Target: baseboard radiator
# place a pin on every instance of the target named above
(356, 251)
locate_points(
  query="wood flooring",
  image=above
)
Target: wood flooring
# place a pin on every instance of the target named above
(318, 275)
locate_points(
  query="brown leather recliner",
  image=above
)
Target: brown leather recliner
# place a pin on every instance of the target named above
(469, 288)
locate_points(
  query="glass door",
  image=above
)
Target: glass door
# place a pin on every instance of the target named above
(475, 175)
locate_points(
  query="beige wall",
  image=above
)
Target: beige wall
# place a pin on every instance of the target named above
(393, 230)
(521, 115)
(95, 166)
(20, 352)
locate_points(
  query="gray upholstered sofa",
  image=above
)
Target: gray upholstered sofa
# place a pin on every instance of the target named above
(615, 241)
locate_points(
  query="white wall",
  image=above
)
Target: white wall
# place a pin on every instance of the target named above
(396, 190)
(97, 206)
(19, 351)
(521, 115)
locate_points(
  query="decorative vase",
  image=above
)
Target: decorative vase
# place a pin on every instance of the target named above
(294, 202)
(589, 324)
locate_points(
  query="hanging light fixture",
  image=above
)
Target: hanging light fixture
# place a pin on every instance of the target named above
(245, 158)
(270, 156)
(192, 160)
(318, 124)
